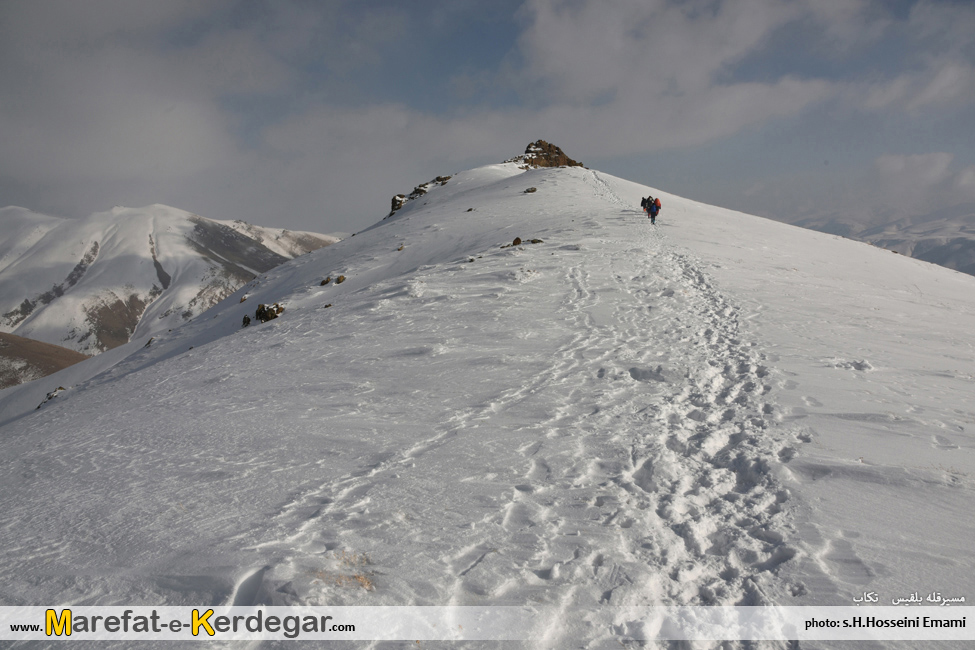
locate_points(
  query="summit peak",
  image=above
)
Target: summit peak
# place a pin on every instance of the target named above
(544, 154)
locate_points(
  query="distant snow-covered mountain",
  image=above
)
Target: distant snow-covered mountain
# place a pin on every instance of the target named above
(93, 284)
(945, 237)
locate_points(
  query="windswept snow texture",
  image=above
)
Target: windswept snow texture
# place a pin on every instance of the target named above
(717, 410)
(94, 284)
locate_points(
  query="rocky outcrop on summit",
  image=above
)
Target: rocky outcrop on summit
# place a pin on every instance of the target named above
(544, 154)
(538, 154)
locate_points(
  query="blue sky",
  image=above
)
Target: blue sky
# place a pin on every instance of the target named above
(311, 115)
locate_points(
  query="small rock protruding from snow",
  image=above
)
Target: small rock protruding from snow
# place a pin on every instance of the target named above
(54, 393)
(518, 241)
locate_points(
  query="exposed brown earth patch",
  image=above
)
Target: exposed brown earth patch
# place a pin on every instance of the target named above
(113, 321)
(23, 359)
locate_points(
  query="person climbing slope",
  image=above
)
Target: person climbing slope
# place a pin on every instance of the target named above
(653, 208)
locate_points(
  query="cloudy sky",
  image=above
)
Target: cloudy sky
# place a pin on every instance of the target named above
(311, 115)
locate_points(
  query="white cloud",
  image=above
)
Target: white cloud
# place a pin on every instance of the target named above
(98, 95)
(941, 84)
(878, 96)
(948, 27)
(642, 76)
(145, 95)
(230, 61)
(913, 172)
(965, 181)
(578, 51)
(905, 185)
(939, 39)
(72, 23)
(951, 81)
(849, 24)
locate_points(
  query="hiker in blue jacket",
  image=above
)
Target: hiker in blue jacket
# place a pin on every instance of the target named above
(652, 207)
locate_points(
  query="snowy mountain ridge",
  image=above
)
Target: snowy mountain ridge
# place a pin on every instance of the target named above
(95, 283)
(719, 410)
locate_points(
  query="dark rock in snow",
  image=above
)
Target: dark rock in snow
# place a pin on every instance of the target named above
(518, 242)
(265, 313)
(400, 199)
(54, 393)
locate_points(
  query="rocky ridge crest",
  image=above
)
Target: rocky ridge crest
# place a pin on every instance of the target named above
(537, 154)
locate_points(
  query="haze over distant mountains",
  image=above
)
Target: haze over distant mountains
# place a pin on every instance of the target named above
(945, 237)
(93, 284)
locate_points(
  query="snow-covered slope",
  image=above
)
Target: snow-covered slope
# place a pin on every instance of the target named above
(718, 410)
(92, 284)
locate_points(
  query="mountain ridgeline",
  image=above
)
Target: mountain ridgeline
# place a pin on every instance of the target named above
(537, 154)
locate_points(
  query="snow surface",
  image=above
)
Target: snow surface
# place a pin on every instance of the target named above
(717, 410)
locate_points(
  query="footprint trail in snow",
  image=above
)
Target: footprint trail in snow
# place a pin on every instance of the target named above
(627, 445)
(584, 422)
